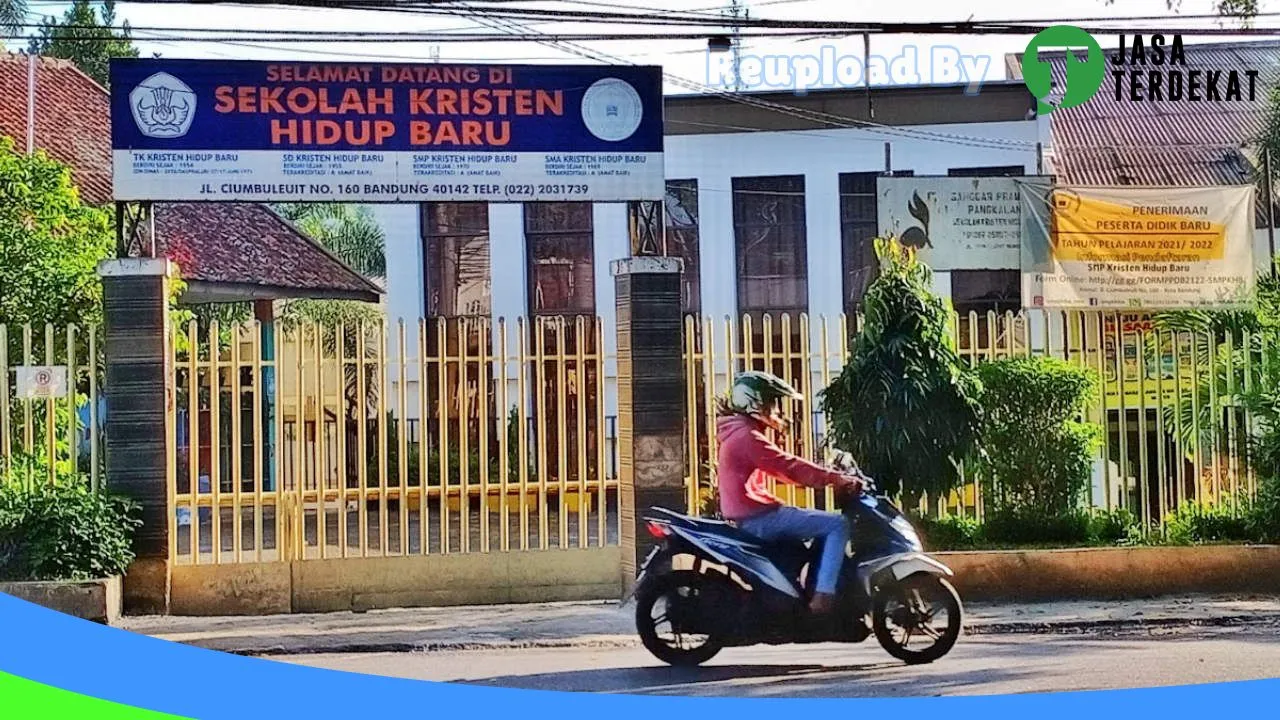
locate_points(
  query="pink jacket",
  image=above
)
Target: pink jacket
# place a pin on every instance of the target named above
(746, 457)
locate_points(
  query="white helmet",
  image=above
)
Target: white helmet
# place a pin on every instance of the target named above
(759, 394)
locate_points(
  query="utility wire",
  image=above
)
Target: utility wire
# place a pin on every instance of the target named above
(812, 116)
(506, 11)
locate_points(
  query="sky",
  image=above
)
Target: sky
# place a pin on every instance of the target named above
(766, 63)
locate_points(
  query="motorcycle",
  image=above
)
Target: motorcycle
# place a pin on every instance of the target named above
(716, 586)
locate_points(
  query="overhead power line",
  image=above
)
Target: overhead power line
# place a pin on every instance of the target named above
(509, 11)
(274, 35)
(824, 118)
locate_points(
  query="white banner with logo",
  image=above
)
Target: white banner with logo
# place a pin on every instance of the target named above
(956, 223)
(1157, 248)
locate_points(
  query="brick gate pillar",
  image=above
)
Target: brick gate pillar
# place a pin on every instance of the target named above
(140, 431)
(651, 397)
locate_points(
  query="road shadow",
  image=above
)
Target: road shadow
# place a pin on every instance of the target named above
(660, 678)
(975, 667)
(888, 678)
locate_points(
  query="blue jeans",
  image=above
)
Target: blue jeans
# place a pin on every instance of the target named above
(790, 523)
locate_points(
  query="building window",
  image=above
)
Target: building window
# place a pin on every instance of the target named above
(456, 236)
(986, 290)
(456, 240)
(682, 239)
(988, 171)
(977, 293)
(859, 227)
(770, 241)
(561, 255)
(561, 258)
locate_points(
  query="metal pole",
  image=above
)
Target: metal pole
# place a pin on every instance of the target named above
(1271, 209)
(122, 244)
(866, 73)
(31, 104)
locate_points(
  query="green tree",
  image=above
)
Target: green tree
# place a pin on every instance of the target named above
(86, 37)
(903, 405)
(13, 17)
(50, 243)
(1227, 347)
(349, 231)
(1244, 9)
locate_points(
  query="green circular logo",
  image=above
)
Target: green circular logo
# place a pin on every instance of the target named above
(1084, 74)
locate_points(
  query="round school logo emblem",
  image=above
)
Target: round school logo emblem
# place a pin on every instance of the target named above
(612, 109)
(163, 106)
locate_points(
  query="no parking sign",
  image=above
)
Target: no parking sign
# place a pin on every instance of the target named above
(42, 381)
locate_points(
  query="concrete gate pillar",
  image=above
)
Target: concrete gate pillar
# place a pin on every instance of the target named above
(140, 432)
(651, 396)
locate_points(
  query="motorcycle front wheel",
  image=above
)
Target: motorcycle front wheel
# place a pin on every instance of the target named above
(664, 609)
(911, 610)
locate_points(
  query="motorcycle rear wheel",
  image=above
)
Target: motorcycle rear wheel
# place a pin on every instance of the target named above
(940, 595)
(681, 586)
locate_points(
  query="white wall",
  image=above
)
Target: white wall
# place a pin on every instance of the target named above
(821, 156)
(612, 242)
(508, 293)
(405, 295)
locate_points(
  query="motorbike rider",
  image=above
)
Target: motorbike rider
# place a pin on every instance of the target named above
(747, 458)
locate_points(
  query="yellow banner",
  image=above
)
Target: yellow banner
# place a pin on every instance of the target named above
(1090, 229)
(1157, 248)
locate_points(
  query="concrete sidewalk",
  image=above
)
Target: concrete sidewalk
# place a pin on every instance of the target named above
(605, 624)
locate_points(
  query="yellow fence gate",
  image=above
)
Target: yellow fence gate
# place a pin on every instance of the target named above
(449, 437)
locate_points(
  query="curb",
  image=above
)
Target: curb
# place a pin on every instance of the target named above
(1065, 627)
(1071, 627)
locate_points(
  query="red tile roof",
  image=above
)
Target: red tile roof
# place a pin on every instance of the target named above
(194, 235)
(228, 243)
(73, 119)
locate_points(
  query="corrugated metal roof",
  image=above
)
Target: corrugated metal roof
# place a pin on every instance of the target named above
(1120, 142)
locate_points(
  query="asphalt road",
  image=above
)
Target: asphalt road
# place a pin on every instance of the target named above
(979, 665)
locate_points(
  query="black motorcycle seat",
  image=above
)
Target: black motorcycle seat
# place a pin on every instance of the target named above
(715, 527)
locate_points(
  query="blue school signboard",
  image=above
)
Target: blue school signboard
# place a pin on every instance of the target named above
(200, 130)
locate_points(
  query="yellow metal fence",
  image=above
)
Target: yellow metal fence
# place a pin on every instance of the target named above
(469, 435)
(451, 436)
(50, 384)
(1174, 428)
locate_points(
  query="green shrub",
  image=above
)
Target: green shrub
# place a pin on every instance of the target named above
(949, 532)
(1037, 454)
(1032, 526)
(709, 503)
(1194, 522)
(63, 531)
(1108, 527)
(1264, 516)
(1264, 448)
